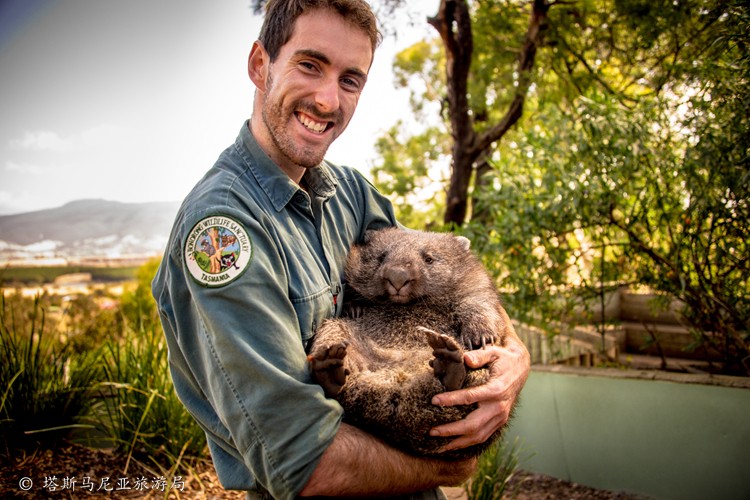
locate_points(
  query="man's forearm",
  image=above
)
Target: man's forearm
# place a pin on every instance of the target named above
(357, 463)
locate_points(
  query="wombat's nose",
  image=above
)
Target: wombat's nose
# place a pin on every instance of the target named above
(398, 277)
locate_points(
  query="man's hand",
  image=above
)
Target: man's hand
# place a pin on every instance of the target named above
(509, 367)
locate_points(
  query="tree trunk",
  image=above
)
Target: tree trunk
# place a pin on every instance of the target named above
(453, 23)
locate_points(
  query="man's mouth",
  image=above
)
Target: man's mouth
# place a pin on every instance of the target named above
(315, 126)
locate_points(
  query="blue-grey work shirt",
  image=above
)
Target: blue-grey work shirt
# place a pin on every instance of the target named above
(253, 265)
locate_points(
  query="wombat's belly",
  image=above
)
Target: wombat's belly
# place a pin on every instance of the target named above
(399, 327)
(395, 403)
(391, 385)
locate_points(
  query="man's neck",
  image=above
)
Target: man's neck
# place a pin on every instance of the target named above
(295, 172)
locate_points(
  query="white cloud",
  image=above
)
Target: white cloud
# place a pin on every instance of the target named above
(42, 140)
(25, 169)
(48, 140)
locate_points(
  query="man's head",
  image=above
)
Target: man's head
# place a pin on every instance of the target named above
(278, 23)
(309, 82)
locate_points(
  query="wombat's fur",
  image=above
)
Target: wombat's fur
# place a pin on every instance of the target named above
(421, 298)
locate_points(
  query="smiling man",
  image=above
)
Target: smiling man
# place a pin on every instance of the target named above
(282, 220)
(309, 92)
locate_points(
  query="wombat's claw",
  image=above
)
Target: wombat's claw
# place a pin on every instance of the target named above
(484, 341)
(328, 368)
(448, 364)
(354, 311)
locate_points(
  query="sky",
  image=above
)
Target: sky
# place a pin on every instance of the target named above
(133, 100)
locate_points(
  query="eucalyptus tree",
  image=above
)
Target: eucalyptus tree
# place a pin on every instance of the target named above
(638, 174)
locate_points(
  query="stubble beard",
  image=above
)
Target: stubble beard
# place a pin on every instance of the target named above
(274, 116)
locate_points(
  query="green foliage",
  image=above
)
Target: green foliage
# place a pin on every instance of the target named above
(138, 306)
(652, 195)
(498, 28)
(630, 166)
(422, 157)
(412, 162)
(634, 48)
(45, 386)
(201, 259)
(103, 370)
(138, 408)
(85, 325)
(495, 468)
(404, 171)
(420, 69)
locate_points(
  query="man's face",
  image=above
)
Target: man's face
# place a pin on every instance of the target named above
(312, 89)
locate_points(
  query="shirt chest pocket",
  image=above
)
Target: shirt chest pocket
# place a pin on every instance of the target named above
(312, 309)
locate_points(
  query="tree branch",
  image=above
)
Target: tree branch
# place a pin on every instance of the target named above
(534, 34)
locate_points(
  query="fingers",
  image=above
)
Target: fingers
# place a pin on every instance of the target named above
(470, 431)
(462, 396)
(483, 421)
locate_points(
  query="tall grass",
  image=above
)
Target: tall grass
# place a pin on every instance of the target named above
(138, 409)
(106, 380)
(44, 385)
(495, 469)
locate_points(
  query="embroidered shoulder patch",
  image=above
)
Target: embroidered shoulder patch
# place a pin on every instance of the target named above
(217, 251)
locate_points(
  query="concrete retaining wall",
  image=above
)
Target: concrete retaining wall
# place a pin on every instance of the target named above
(616, 430)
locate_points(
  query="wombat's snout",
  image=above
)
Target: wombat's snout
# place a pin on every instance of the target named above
(398, 281)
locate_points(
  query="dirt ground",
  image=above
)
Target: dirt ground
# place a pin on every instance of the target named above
(77, 472)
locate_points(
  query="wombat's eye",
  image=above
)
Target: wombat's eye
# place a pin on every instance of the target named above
(382, 257)
(428, 259)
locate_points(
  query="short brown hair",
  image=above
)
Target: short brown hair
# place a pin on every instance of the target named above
(281, 15)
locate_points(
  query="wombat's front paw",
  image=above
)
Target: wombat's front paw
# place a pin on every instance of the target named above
(448, 363)
(328, 368)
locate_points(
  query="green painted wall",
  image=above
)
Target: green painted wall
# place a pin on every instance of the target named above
(662, 439)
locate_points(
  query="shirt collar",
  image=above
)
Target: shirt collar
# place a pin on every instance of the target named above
(275, 183)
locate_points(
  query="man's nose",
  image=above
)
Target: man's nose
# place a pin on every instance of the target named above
(327, 95)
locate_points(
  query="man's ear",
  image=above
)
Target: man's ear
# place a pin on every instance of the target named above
(257, 65)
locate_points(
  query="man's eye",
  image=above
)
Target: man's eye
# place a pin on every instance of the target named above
(307, 65)
(351, 83)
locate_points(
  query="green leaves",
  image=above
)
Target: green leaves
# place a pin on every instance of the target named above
(630, 165)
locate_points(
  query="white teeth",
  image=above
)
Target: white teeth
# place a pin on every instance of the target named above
(311, 124)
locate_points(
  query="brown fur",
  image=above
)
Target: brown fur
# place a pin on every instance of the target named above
(420, 299)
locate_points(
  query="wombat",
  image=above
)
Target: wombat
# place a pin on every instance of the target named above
(421, 299)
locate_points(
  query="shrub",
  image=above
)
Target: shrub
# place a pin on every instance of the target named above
(45, 386)
(138, 408)
(495, 468)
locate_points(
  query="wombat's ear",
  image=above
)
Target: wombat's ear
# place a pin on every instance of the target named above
(464, 241)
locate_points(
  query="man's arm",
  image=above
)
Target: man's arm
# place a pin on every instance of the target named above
(509, 368)
(357, 463)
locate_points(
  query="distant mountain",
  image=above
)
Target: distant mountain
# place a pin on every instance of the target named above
(87, 228)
